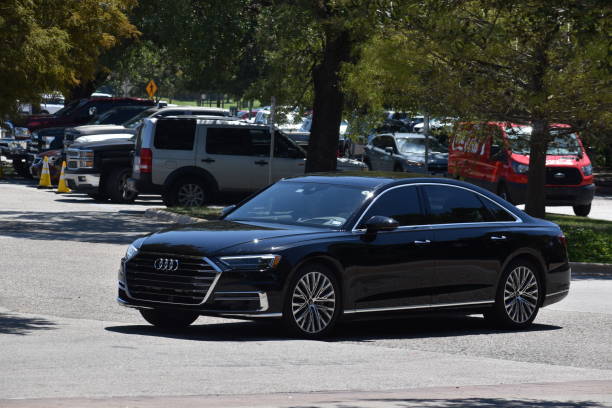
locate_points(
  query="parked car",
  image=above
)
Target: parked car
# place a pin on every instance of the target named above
(226, 156)
(405, 152)
(79, 112)
(130, 124)
(302, 136)
(315, 250)
(495, 155)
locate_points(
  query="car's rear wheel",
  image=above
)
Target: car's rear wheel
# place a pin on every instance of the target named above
(582, 210)
(313, 302)
(189, 192)
(518, 296)
(116, 187)
(168, 320)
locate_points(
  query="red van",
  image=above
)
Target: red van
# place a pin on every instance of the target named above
(495, 155)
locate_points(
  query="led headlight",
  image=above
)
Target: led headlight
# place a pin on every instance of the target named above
(519, 168)
(131, 252)
(587, 170)
(251, 262)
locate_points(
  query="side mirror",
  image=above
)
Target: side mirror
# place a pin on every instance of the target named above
(380, 223)
(227, 210)
(389, 150)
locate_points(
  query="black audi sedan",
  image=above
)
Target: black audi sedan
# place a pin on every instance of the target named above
(316, 249)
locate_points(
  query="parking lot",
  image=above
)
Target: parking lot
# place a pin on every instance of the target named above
(64, 337)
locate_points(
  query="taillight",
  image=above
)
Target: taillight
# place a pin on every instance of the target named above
(146, 160)
(563, 240)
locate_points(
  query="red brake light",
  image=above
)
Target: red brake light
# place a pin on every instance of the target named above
(563, 240)
(146, 160)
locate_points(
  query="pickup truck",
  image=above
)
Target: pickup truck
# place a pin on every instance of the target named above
(101, 169)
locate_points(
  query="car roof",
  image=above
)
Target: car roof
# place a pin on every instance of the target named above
(193, 108)
(404, 135)
(368, 179)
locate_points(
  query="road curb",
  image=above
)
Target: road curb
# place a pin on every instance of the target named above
(161, 214)
(591, 269)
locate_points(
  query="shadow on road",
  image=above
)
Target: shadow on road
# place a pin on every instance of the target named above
(14, 324)
(364, 331)
(82, 226)
(456, 403)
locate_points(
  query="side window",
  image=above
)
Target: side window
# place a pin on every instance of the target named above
(378, 142)
(449, 205)
(260, 142)
(496, 212)
(389, 142)
(401, 204)
(174, 134)
(228, 141)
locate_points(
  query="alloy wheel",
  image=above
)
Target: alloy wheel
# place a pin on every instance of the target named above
(521, 294)
(313, 302)
(190, 195)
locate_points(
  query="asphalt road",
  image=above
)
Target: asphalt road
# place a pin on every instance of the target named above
(65, 342)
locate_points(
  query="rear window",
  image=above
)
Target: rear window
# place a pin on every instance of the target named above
(175, 134)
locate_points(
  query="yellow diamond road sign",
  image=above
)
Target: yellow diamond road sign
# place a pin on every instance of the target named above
(151, 88)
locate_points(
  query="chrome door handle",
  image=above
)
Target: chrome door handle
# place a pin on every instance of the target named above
(422, 242)
(498, 237)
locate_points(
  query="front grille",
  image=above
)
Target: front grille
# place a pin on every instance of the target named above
(190, 284)
(563, 176)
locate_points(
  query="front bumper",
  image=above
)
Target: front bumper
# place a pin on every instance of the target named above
(85, 182)
(555, 195)
(247, 294)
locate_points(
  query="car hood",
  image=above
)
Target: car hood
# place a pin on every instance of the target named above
(212, 237)
(98, 129)
(101, 137)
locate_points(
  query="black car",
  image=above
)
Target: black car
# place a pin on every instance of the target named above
(312, 250)
(406, 152)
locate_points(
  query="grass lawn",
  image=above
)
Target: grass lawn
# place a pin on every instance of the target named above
(588, 240)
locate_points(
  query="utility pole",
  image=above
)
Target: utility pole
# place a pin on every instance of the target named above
(426, 133)
(271, 124)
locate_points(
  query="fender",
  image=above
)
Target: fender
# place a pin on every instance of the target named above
(532, 254)
(192, 171)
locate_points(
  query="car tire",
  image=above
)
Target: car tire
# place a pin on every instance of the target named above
(398, 168)
(367, 163)
(99, 196)
(116, 187)
(519, 296)
(21, 168)
(168, 320)
(582, 210)
(189, 192)
(308, 316)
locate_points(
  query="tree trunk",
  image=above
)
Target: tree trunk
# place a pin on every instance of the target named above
(535, 205)
(328, 103)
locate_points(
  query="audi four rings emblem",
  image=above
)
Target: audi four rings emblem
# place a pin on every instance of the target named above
(166, 264)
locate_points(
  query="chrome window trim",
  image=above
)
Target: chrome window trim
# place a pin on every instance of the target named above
(517, 220)
(210, 288)
(417, 307)
(557, 293)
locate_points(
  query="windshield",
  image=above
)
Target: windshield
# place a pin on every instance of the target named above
(299, 203)
(71, 107)
(135, 121)
(563, 143)
(414, 145)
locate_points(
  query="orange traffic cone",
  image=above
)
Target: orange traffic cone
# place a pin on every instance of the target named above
(45, 177)
(62, 187)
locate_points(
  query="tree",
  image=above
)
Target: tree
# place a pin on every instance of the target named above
(55, 44)
(536, 62)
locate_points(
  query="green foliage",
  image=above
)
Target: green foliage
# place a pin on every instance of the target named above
(588, 240)
(55, 44)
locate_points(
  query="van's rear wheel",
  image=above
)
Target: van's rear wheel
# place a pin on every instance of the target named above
(190, 192)
(582, 210)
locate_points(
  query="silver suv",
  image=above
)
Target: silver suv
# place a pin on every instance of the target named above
(188, 159)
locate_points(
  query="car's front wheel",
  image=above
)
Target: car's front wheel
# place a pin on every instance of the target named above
(168, 320)
(313, 302)
(117, 189)
(518, 296)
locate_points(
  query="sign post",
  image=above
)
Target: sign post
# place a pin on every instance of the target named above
(151, 89)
